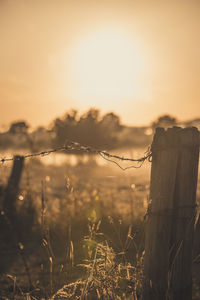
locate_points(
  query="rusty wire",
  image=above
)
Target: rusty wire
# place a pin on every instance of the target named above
(75, 146)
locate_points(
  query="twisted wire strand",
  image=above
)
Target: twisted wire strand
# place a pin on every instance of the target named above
(75, 146)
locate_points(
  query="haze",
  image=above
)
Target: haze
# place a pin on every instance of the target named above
(138, 58)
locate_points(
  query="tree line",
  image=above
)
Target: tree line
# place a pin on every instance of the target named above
(90, 128)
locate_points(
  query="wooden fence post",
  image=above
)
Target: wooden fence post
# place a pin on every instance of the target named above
(170, 226)
(12, 188)
(9, 220)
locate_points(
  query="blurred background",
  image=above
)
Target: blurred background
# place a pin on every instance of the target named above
(104, 74)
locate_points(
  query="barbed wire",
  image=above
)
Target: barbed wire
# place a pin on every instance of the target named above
(75, 146)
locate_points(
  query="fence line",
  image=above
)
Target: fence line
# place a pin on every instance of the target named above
(75, 146)
(170, 217)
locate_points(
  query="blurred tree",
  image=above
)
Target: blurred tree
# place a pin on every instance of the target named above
(22, 129)
(111, 121)
(88, 129)
(18, 127)
(65, 128)
(109, 128)
(164, 121)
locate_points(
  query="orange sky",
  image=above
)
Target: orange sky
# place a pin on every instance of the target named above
(46, 66)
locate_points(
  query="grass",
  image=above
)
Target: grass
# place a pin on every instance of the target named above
(108, 275)
(80, 233)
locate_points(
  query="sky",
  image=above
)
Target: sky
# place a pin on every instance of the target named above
(138, 58)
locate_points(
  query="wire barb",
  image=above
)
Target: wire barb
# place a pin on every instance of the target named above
(75, 146)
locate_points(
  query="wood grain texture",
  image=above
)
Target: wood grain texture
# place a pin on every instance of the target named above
(170, 226)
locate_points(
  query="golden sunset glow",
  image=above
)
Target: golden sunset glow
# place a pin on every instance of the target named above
(138, 58)
(108, 65)
(99, 140)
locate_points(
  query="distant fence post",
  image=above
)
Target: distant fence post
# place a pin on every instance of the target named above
(170, 226)
(12, 188)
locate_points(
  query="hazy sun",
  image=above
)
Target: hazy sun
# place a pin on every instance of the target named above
(108, 64)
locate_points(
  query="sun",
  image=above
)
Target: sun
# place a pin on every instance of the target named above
(108, 65)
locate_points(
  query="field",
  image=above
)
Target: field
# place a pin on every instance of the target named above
(81, 224)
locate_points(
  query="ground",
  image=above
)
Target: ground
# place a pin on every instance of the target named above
(56, 205)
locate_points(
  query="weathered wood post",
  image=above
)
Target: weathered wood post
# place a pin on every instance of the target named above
(12, 188)
(170, 226)
(8, 219)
